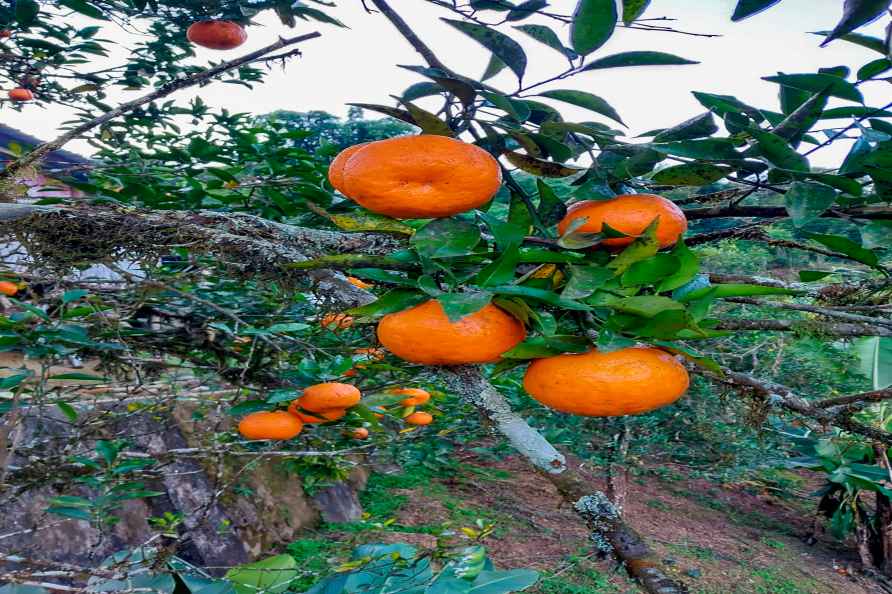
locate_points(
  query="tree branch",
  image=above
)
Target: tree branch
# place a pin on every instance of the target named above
(823, 311)
(827, 329)
(163, 91)
(863, 398)
(406, 31)
(868, 212)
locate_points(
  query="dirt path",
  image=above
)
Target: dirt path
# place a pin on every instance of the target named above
(719, 540)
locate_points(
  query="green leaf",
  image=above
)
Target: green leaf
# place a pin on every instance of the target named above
(428, 122)
(854, 161)
(632, 9)
(547, 346)
(711, 149)
(71, 512)
(586, 101)
(493, 67)
(421, 89)
(747, 8)
(874, 43)
(689, 174)
(778, 152)
(364, 220)
(593, 23)
(501, 270)
(108, 451)
(689, 266)
(645, 58)
(798, 123)
(808, 276)
(875, 355)
(848, 247)
(735, 290)
(843, 184)
(855, 14)
(644, 246)
(545, 35)
(526, 9)
(697, 127)
(647, 305)
(384, 276)
(551, 208)
(871, 69)
(817, 83)
(390, 302)
(85, 8)
(444, 238)
(394, 112)
(854, 111)
(518, 110)
(74, 295)
(539, 167)
(806, 201)
(503, 582)
(11, 381)
(585, 280)
(87, 377)
(723, 105)
(540, 294)
(247, 407)
(26, 12)
(508, 50)
(68, 411)
(459, 305)
(650, 270)
(271, 575)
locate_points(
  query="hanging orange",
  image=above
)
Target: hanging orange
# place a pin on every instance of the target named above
(336, 168)
(217, 34)
(417, 177)
(594, 384)
(270, 425)
(629, 214)
(328, 396)
(21, 94)
(423, 334)
(419, 418)
(322, 416)
(9, 289)
(416, 396)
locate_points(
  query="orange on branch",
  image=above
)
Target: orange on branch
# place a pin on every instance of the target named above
(423, 334)
(21, 94)
(336, 168)
(328, 396)
(594, 384)
(418, 177)
(419, 418)
(416, 396)
(360, 433)
(322, 416)
(630, 214)
(216, 34)
(270, 425)
(9, 289)
(336, 321)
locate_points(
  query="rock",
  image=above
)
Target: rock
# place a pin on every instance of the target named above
(338, 503)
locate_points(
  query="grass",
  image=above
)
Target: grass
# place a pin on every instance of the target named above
(312, 557)
(774, 582)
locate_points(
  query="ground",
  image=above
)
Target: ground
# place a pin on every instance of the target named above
(719, 539)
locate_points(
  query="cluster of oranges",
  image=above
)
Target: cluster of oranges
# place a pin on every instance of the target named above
(325, 403)
(430, 176)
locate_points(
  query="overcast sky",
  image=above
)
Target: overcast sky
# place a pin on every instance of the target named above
(359, 64)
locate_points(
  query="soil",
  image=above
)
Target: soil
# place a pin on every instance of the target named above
(718, 539)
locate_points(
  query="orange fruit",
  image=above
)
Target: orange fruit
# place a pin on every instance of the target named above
(594, 384)
(336, 169)
(358, 282)
(373, 353)
(21, 94)
(216, 34)
(5, 34)
(419, 177)
(9, 289)
(419, 418)
(328, 396)
(630, 214)
(423, 334)
(336, 321)
(270, 425)
(416, 396)
(360, 433)
(322, 416)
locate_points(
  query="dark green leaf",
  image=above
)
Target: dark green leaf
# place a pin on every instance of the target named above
(493, 67)
(390, 302)
(747, 8)
(643, 247)
(689, 174)
(26, 12)
(632, 9)
(393, 112)
(855, 14)
(689, 266)
(547, 36)
(85, 8)
(518, 110)
(87, 377)
(443, 238)
(540, 294)
(874, 43)
(854, 111)
(501, 270)
(696, 127)
(710, 149)
(626, 59)
(798, 123)
(871, 69)
(817, 83)
(808, 276)
(848, 247)
(593, 23)
(585, 280)
(778, 151)
(723, 105)
(247, 407)
(428, 122)
(539, 167)
(459, 305)
(650, 270)
(735, 290)
(74, 295)
(551, 208)
(547, 346)
(508, 50)
(806, 201)
(11, 381)
(854, 161)
(584, 100)
(422, 89)
(647, 305)
(526, 9)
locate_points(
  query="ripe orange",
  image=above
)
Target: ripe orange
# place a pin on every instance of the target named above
(215, 34)
(416, 396)
(630, 214)
(270, 425)
(360, 433)
(21, 94)
(593, 384)
(9, 289)
(419, 418)
(415, 177)
(328, 396)
(322, 416)
(358, 282)
(336, 168)
(336, 321)
(5, 34)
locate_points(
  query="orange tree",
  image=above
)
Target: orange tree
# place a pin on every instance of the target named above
(232, 244)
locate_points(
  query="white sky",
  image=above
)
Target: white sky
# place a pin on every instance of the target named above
(359, 64)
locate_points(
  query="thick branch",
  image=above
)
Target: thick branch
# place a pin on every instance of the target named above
(863, 398)
(842, 329)
(822, 311)
(406, 31)
(870, 212)
(163, 91)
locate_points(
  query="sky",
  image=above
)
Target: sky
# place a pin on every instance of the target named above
(359, 64)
